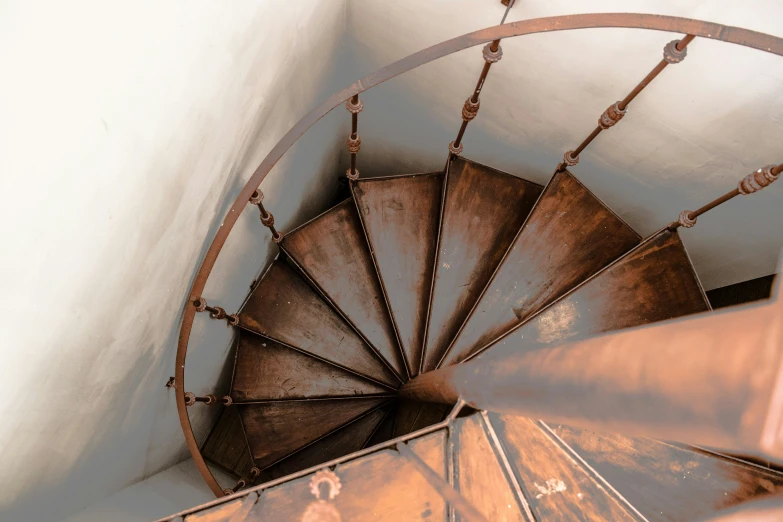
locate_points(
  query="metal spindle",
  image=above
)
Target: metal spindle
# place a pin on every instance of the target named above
(673, 52)
(215, 312)
(751, 183)
(208, 399)
(354, 106)
(254, 473)
(267, 219)
(492, 54)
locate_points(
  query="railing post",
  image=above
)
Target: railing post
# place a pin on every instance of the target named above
(267, 219)
(215, 312)
(208, 399)
(751, 183)
(673, 52)
(354, 106)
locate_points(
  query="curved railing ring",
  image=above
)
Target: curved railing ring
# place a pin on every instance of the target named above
(734, 35)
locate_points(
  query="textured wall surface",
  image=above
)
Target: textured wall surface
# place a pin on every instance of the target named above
(124, 128)
(688, 138)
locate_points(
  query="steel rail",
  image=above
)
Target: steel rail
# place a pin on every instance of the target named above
(713, 31)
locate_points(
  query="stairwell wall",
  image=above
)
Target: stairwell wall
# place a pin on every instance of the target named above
(688, 138)
(128, 129)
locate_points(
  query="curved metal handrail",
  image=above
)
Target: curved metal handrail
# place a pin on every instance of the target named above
(713, 31)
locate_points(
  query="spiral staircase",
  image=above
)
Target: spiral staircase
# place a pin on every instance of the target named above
(419, 272)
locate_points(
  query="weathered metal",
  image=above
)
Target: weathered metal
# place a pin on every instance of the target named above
(469, 249)
(673, 52)
(331, 251)
(354, 106)
(569, 236)
(215, 312)
(750, 184)
(400, 217)
(267, 219)
(734, 35)
(713, 380)
(208, 399)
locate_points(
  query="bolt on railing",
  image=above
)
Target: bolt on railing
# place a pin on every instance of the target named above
(751, 183)
(215, 312)
(673, 52)
(354, 106)
(242, 482)
(267, 219)
(208, 399)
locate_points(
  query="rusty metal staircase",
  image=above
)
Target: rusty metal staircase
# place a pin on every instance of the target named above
(415, 273)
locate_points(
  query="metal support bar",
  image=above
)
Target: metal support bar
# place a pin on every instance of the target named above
(354, 106)
(267, 219)
(215, 312)
(209, 399)
(243, 482)
(713, 379)
(751, 183)
(673, 52)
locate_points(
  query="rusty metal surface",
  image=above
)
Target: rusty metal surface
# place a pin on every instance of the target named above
(554, 483)
(653, 282)
(346, 440)
(665, 482)
(267, 370)
(277, 429)
(400, 217)
(284, 308)
(482, 211)
(710, 380)
(569, 236)
(226, 446)
(332, 251)
(734, 35)
(413, 416)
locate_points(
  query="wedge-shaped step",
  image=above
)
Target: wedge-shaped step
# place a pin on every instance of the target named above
(384, 486)
(483, 209)
(267, 370)
(556, 486)
(414, 415)
(282, 307)
(347, 439)
(653, 282)
(400, 216)
(332, 251)
(277, 429)
(666, 482)
(385, 430)
(569, 236)
(482, 476)
(226, 446)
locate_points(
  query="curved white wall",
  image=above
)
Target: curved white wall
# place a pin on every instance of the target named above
(124, 126)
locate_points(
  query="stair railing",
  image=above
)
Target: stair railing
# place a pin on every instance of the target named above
(251, 194)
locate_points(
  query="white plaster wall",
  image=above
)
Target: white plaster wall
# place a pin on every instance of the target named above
(688, 138)
(175, 489)
(127, 129)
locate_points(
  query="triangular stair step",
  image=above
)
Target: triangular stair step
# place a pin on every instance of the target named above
(385, 430)
(400, 216)
(226, 446)
(569, 236)
(331, 250)
(667, 482)
(267, 370)
(277, 429)
(347, 439)
(482, 211)
(284, 308)
(653, 282)
(556, 486)
(383, 487)
(481, 475)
